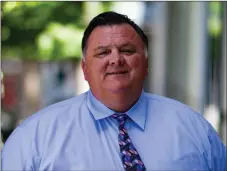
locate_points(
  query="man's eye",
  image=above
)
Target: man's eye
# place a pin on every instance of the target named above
(127, 51)
(103, 53)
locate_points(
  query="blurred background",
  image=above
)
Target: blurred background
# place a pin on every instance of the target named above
(41, 54)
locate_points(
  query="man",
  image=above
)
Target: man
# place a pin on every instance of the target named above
(115, 125)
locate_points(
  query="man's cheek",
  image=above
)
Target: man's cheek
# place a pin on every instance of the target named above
(135, 64)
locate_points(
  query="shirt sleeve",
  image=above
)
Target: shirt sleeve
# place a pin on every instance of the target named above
(16, 153)
(218, 151)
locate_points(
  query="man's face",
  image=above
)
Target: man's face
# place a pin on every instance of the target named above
(115, 59)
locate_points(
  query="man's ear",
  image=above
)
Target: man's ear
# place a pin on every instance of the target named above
(147, 64)
(84, 68)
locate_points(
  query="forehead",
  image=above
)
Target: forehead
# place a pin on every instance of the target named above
(113, 35)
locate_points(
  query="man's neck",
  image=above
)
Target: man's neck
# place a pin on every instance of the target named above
(119, 101)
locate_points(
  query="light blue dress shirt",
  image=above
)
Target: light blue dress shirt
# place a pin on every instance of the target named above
(79, 134)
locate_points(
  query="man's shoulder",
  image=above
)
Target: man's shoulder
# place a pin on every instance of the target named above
(172, 108)
(53, 111)
(175, 114)
(166, 102)
(47, 120)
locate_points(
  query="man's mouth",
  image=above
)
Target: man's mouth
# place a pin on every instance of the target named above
(117, 73)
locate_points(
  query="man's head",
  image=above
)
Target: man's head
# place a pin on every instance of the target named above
(115, 58)
(108, 19)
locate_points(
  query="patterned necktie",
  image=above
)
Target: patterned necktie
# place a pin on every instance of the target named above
(130, 157)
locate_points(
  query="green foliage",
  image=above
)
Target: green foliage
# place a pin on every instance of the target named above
(214, 21)
(45, 30)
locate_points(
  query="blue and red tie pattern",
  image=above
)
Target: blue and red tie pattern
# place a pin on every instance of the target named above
(130, 157)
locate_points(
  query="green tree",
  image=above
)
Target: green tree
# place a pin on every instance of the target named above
(46, 30)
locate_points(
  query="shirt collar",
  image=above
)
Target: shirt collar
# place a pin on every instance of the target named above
(137, 113)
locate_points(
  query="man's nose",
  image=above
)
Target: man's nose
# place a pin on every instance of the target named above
(116, 58)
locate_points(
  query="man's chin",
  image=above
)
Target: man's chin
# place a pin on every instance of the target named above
(118, 89)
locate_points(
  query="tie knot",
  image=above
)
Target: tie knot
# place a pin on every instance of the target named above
(121, 118)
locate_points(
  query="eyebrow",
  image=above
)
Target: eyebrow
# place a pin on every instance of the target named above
(101, 47)
(127, 45)
(121, 46)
